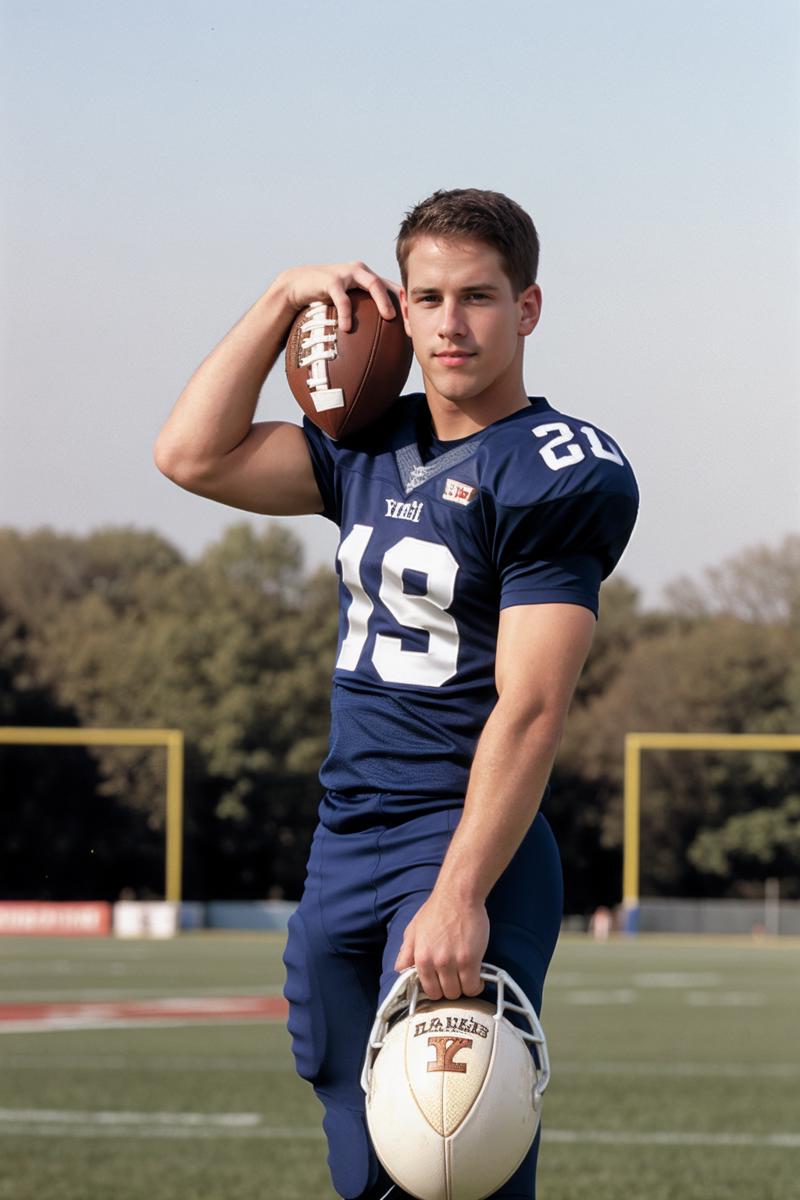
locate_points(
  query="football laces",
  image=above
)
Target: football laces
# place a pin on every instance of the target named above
(318, 346)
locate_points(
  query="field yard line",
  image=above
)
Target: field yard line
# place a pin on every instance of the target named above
(656, 1070)
(122, 1062)
(154, 991)
(41, 1123)
(52, 1116)
(81, 1025)
(677, 979)
(787, 1141)
(267, 1133)
(725, 999)
(597, 997)
(162, 1063)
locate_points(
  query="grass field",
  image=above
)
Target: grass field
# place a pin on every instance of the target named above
(676, 1075)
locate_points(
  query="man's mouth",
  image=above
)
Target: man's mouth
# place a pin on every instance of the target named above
(452, 358)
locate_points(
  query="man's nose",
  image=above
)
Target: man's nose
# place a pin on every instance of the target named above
(452, 323)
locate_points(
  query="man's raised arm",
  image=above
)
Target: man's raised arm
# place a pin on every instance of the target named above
(211, 445)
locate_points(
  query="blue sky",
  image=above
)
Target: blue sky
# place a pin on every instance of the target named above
(162, 162)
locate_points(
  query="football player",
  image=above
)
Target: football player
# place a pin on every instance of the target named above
(476, 526)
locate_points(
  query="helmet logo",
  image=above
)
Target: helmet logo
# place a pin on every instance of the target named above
(446, 1050)
(458, 1081)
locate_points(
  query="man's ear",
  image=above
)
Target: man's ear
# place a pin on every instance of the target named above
(530, 302)
(404, 310)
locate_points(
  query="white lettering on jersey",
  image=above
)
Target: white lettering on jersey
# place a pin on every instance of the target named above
(410, 510)
(350, 554)
(437, 664)
(571, 452)
(610, 452)
(426, 611)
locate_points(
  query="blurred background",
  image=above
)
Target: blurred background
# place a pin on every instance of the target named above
(162, 162)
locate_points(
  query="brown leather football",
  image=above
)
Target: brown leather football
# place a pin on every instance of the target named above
(345, 381)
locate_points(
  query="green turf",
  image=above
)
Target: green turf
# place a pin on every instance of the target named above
(647, 1037)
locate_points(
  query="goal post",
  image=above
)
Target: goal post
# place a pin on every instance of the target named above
(170, 739)
(635, 743)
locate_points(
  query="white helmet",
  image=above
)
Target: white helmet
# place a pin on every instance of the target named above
(454, 1091)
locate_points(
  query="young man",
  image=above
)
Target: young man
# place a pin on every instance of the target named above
(464, 625)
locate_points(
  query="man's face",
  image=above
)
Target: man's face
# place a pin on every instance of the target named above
(465, 322)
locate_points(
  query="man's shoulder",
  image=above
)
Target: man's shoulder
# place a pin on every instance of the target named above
(557, 486)
(540, 455)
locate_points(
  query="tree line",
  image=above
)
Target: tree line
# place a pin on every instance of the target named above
(236, 647)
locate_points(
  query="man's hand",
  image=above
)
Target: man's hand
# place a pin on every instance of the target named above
(446, 942)
(211, 443)
(303, 285)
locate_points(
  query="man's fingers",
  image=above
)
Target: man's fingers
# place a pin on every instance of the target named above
(439, 981)
(377, 288)
(368, 282)
(450, 983)
(334, 282)
(471, 982)
(383, 300)
(344, 309)
(447, 957)
(404, 959)
(429, 981)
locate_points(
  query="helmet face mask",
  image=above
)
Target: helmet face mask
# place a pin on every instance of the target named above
(453, 1088)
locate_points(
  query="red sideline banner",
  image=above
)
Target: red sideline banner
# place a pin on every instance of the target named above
(54, 918)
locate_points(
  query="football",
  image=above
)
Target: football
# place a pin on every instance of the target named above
(453, 1092)
(346, 381)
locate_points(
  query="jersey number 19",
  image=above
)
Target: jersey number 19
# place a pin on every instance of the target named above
(427, 668)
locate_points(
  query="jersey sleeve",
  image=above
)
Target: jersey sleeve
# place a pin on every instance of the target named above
(323, 461)
(559, 550)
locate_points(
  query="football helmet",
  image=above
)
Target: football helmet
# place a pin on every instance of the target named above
(453, 1088)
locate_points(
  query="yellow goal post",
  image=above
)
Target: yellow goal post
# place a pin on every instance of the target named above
(635, 743)
(171, 739)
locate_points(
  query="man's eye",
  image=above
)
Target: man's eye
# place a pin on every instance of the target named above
(429, 298)
(477, 296)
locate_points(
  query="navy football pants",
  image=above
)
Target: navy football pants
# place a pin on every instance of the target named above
(362, 889)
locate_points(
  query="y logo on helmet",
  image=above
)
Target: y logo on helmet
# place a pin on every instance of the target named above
(446, 1050)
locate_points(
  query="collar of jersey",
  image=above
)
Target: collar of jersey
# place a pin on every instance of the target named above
(414, 473)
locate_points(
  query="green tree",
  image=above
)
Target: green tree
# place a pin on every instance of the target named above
(760, 585)
(702, 668)
(235, 649)
(752, 845)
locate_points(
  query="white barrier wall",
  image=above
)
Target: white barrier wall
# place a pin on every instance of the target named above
(720, 916)
(146, 918)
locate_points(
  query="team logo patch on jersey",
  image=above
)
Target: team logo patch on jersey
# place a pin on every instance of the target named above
(459, 493)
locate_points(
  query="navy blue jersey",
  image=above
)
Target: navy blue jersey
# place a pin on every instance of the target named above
(436, 539)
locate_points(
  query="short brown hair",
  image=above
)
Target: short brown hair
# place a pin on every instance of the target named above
(484, 216)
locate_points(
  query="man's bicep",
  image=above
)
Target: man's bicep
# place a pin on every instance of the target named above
(541, 649)
(269, 472)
